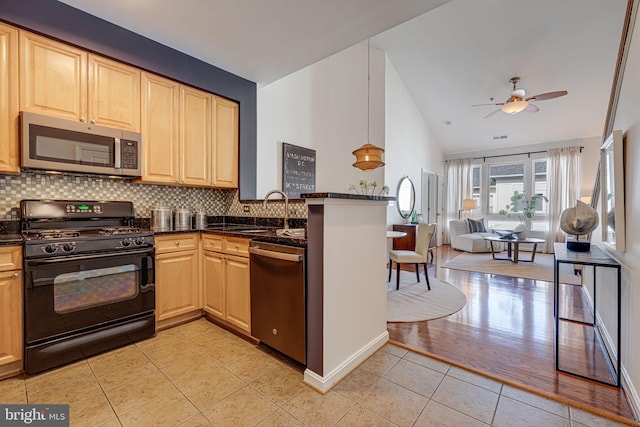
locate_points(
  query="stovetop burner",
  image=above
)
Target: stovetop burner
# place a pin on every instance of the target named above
(119, 230)
(56, 234)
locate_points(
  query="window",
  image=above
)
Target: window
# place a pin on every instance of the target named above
(540, 221)
(503, 180)
(503, 177)
(476, 171)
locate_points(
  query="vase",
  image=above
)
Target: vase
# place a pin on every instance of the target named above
(522, 231)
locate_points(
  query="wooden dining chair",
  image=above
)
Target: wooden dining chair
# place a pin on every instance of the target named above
(418, 256)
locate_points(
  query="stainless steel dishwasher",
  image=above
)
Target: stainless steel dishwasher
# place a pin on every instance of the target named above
(278, 297)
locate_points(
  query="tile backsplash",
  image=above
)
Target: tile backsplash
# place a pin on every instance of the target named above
(215, 202)
(144, 196)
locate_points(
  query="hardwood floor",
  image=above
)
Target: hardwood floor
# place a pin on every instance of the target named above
(506, 331)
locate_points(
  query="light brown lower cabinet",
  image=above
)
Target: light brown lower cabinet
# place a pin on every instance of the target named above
(10, 310)
(177, 276)
(226, 280)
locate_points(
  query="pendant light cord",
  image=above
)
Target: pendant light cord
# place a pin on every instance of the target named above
(368, 90)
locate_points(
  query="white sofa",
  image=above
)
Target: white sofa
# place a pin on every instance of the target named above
(463, 240)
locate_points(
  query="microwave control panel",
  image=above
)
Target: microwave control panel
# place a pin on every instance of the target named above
(129, 154)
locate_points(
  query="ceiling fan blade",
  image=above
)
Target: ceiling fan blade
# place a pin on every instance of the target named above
(482, 105)
(492, 113)
(531, 108)
(548, 95)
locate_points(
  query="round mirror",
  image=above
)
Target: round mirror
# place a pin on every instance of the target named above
(406, 197)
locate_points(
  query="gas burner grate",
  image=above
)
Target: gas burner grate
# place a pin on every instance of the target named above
(119, 230)
(57, 234)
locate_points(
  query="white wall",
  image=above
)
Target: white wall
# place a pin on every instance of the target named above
(627, 119)
(410, 144)
(323, 107)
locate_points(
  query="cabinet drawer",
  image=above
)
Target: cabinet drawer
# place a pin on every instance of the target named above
(176, 242)
(10, 258)
(212, 242)
(237, 246)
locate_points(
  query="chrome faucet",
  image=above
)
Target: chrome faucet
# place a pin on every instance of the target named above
(286, 205)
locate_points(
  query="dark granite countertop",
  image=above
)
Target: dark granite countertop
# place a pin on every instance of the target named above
(256, 232)
(10, 239)
(346, 196)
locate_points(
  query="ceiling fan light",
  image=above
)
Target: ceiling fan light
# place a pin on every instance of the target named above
(514, 107)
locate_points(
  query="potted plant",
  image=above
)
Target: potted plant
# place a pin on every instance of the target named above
(522, 207)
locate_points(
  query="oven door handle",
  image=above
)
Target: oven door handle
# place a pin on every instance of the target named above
(35, 262)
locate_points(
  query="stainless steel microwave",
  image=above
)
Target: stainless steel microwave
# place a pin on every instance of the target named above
(54, 144)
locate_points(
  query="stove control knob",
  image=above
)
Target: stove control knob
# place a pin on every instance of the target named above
(139, 241)
(68, 247)
(126, 243)
(50, 249)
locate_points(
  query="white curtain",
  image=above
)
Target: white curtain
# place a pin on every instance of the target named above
(563, 188)
(458, 183)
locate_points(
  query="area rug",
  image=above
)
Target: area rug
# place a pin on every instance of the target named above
(540, 269)
(413, 302)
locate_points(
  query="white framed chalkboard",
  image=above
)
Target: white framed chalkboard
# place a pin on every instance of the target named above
(298, 170)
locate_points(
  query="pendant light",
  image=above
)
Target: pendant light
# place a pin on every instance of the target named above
(368, 157)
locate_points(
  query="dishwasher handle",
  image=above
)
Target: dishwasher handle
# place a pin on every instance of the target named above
(277, 255)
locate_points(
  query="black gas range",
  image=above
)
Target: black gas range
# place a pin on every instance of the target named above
(54, 228)
(88, 278)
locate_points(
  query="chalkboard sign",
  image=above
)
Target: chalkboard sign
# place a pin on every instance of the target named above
(298, 170)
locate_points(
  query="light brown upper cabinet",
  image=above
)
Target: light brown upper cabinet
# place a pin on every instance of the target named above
(9, 148)
(114, 94)
(176, 129)
(195, 136)
(160, 129)
(190, 136)
(63, 81)
(225, 143)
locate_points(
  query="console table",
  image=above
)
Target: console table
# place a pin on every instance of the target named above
(596, 257)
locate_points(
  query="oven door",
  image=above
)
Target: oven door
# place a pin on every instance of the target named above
(69, 295)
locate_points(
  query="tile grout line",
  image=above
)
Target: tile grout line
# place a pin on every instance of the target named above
(104, 393)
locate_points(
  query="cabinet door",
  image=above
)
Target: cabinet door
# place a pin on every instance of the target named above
(10, 316)
(238, 292)
(9, 151)
(408, 242)
(114, 94)
(53, 78)
(177, 284)
(160, 129)
(195, 130)
(176, 242)
(213, 283)
(225, 143)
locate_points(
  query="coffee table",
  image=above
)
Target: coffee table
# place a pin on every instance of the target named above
(516, 247)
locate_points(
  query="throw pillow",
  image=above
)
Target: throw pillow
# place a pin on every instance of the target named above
(476, 225)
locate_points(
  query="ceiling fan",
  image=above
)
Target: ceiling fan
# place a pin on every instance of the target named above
(517, 101)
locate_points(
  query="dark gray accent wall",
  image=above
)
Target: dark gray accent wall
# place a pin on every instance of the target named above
(65, 23)
(315, 289)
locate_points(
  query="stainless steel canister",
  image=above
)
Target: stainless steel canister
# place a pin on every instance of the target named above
(182, 219)
(161, 218)
(200, 220)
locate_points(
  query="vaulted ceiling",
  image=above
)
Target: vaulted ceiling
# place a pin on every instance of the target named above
(450, 55)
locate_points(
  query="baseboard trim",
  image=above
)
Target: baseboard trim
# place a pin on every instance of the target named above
(323, 384)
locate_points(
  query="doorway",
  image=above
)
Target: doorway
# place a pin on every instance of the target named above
(431, 199)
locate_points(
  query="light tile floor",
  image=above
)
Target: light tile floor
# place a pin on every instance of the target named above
(200, 375)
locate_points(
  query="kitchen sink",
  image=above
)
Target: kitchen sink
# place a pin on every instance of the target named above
(260, 230)
(291, 232)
